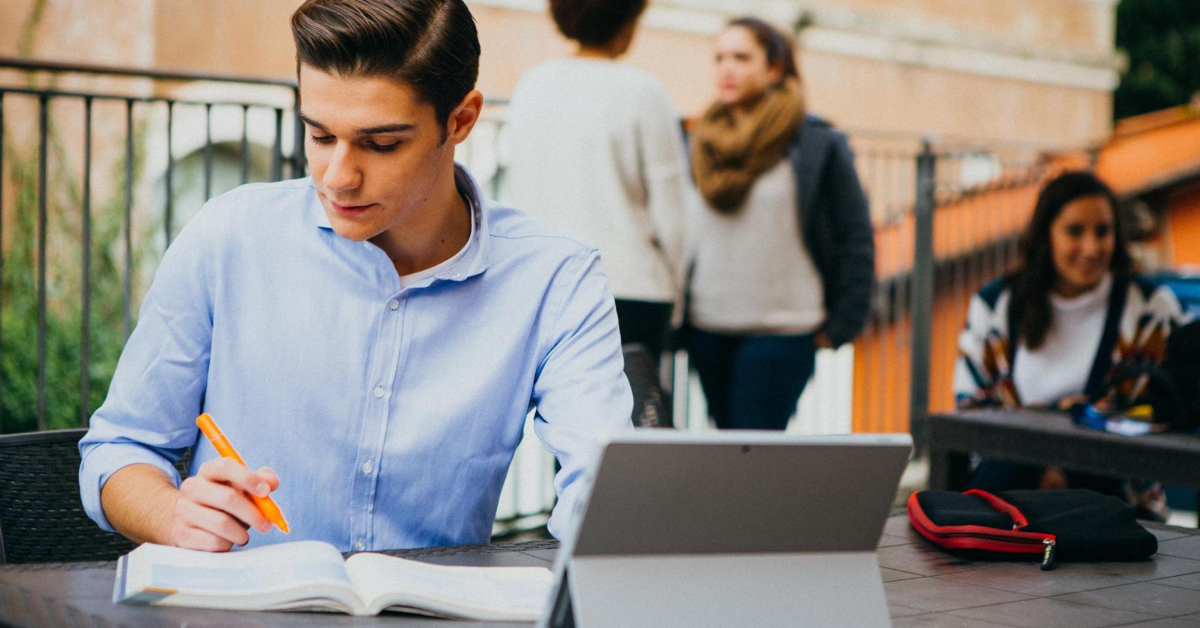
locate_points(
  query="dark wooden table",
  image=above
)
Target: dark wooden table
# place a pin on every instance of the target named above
(1050, 438)
(924, 586)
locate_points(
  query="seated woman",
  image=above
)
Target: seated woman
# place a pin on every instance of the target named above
(1052, 333)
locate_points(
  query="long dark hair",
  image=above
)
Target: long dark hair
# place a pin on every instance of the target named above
(1035, 279)
(778, 46)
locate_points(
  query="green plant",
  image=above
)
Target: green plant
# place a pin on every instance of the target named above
(64, 302)
(1162, 40)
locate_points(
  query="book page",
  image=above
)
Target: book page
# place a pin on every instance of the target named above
(306, 568)
(485, 593)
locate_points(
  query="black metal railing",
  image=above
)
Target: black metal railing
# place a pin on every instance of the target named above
(911, 183)
(35, 75)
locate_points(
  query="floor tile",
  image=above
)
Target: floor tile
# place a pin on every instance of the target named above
(1189, 581)
(1165, 533)
(1141, 597)
(922, 560)
(895, 610)
(899, 526)
(1186, 547)
(1159, 566)
(888, 540)
(891, 575)
(933, 594)
(1052, 613)
(1028, 578)
(1170, 622)
(938, 620)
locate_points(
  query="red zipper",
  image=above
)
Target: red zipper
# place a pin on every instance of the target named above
(983, 537)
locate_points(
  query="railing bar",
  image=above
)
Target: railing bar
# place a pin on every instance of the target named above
(277, 157)
(85, 332)
(127, 284)
(207, 151)
(170, 208)
(298, 158)
(1, 248)
(50, 66)
(245, 144)
(43, 127)
(53, 93)
(920, 303)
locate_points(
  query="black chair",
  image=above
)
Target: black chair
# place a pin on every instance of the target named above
(651, 404)
(41, 515)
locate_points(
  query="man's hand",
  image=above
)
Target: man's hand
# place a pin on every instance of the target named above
(213, 511)
(210, 511)
(822, 341)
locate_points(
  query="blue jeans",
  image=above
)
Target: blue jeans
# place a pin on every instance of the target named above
(751, 382)
(994, 475)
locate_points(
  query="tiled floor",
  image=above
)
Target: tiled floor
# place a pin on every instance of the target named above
(928, 588)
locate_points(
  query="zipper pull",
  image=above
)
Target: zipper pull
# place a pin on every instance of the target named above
(1048, 554)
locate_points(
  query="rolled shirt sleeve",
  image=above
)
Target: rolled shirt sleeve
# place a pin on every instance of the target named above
(581, 393)
(156, 392)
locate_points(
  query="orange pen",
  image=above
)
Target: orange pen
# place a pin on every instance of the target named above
(265, 505)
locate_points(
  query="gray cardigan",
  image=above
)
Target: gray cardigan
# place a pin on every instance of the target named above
(835, 225)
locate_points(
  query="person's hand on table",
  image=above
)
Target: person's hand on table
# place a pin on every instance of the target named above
(1053, 478)
(1066, 403)
(213, 511)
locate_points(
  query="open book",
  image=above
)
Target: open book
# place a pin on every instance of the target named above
(312, 575)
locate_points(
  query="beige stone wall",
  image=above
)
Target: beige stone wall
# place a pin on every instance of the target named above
(115, 32)
(71, 31)
(225, 36)
(1082, 23)
(1026, 71)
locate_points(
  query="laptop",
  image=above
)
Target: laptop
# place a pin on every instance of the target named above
(734, 528)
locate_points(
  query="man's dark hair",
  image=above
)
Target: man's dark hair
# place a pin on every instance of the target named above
(594, 22)
(430, 45)
(1035, 279)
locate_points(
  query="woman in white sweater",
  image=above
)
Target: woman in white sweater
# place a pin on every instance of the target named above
(1059, 330)
(598, 151)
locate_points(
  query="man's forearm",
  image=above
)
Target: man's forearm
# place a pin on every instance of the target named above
(139, 501)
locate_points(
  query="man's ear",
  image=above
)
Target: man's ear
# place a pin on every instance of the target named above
(464, 117)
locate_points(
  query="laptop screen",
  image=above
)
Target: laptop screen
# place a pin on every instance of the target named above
(675, 492)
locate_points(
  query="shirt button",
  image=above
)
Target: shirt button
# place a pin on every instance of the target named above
(366, 467)
(359, 545)
(393, 305)
(378, 392)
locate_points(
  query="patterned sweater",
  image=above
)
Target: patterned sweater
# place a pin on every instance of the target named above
(1139, 318)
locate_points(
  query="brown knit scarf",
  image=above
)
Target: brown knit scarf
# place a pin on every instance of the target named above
(729, 153)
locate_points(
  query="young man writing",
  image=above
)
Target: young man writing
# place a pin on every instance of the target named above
(374, 334)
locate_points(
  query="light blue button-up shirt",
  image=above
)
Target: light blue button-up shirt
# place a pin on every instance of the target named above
(390, 414)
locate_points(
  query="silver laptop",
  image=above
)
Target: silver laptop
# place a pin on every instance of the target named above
(730, 529)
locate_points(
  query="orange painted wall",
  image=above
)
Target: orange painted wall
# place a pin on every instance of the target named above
(1184, 226)
(1144, 152)
(882, 382)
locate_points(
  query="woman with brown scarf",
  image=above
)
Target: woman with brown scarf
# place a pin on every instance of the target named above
(785, 257)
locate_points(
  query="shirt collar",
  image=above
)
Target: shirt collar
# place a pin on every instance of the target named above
(476, 260)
